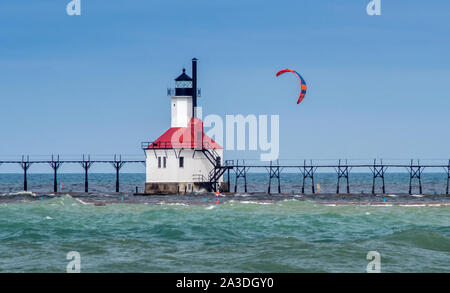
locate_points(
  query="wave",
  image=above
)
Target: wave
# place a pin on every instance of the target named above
(19, 193)
(80, 201)
(242, 194)
(173, 204)
(425, 239)
(251, 202)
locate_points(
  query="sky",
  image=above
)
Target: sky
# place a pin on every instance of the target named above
(96, 83)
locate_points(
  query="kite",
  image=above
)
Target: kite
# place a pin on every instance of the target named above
(302, 83)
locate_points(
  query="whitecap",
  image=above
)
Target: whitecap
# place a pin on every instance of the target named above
(255, 202)
(242, 194)
(173, 204)
(80, 201)
(21, 193)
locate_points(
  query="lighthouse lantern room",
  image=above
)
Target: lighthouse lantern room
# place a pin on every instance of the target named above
(182, 101)
(184, 159)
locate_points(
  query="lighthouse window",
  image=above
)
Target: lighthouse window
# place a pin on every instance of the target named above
(159, 162)
(183, 84)
(164, 162)
(181, 162)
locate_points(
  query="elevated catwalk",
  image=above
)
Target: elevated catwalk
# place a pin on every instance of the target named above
(307, 170)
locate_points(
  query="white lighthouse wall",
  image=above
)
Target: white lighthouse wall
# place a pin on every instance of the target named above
(181, 110)
(193, 164)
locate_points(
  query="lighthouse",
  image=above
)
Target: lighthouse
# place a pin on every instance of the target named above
(183, 159)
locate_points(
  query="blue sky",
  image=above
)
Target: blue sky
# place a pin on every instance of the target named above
(96, 83)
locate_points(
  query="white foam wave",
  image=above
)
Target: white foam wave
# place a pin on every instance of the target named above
(256, 202)
(173, 204)
(20, 193)
(242, 194)
(82, 202)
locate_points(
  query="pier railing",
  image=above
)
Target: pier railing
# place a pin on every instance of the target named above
(171, 145)
(172, 92)
(55, 163)
(342, 168)
(307, 171)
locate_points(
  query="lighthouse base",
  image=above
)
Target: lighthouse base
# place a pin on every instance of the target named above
(181, 187)
(173, 188)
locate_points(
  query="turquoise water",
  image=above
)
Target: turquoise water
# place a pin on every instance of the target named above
(235, 236)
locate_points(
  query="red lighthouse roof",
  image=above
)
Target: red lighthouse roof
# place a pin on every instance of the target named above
(191, 136)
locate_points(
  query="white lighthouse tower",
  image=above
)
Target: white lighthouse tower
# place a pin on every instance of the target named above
(183, 159)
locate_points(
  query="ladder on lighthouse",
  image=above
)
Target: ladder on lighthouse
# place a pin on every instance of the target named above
(218, 170)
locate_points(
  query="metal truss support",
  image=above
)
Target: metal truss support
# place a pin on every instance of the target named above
(274, 172)
(25, 164)
(308, 172)
(55, 164)
(343, 171)
(378, 171)
(415, 172)
(448, 178)
(117, 164)
(241, 171)
(86, 164)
